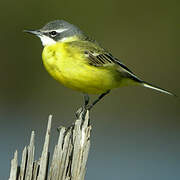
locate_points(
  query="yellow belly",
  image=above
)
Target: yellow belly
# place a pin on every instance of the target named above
(72, 69)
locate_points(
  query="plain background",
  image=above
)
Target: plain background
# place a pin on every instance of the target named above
(136, 131)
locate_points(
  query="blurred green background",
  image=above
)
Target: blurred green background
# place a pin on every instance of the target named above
(136, 131)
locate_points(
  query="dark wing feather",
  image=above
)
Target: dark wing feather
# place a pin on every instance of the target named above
(99, 60)
(99, 57)
(105, 58)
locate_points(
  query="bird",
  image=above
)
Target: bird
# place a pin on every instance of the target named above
(79, 62)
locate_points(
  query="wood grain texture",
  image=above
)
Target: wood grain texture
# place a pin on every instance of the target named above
(69, 158)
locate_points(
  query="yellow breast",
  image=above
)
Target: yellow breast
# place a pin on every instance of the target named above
(70, 67)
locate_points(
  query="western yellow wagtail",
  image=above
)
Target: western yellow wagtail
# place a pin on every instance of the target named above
(80, 63)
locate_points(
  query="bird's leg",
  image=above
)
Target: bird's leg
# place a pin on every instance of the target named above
(86, 100)
(84, 108)
(98, 99)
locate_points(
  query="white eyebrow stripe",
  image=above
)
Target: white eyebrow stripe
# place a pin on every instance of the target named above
(61, 30)
(57, 30)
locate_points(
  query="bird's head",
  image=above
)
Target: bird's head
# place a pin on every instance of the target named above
(55, 31)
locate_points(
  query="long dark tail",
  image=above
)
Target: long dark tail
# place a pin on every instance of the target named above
(148, 85)
(133, 77)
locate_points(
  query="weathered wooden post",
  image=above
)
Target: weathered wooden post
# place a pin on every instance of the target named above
(69, 157)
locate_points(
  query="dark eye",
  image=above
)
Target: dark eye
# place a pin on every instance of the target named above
(53, 33)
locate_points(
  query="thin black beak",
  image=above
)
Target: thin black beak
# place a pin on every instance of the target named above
(34, 32)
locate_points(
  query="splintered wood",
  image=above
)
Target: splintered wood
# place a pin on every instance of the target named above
(69, 158)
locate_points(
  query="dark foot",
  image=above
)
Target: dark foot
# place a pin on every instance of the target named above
(81, 112)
